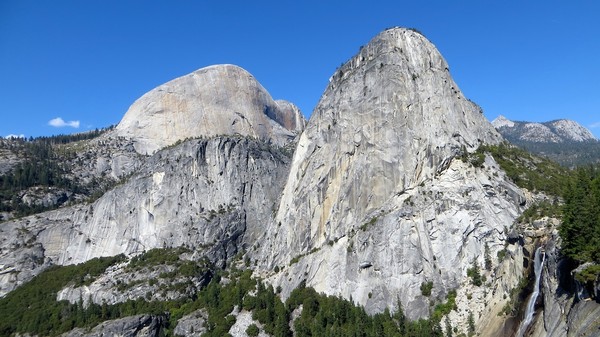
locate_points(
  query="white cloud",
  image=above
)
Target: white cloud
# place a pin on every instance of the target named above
(15, 136)
(59, 123)
(595, 125)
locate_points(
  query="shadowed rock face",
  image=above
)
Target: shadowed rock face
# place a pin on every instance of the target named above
(216, 100)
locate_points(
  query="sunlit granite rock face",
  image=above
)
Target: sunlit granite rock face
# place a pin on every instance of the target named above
(216, 100)
(377, 202)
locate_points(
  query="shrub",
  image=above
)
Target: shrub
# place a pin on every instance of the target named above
(426, 288)
(589, 274)
(475, 274)
(252, 330)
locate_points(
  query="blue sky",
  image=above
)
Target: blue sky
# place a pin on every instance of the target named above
(71, 66)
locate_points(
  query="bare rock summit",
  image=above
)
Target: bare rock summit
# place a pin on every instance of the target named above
(216, 100)
(376, 202)
(390, 119)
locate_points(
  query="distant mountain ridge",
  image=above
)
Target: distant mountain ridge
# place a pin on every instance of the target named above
(565, 141)
(556, 131)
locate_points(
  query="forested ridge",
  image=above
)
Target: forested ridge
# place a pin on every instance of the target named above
(32, 308)
(568, 154)
(42, 163)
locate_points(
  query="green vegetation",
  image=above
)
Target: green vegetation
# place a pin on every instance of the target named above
(296, 259)
(426, 288)
(157, 256)
(514, 300)
(539, 210)
(476, 159)
(471, 323)
(32, 308)
(568, 154)
(588, 274)
(448, 328)
(252, 330)
(369, 223)
(66, 139)
(501, 255)
(444, 309)
(475, 275)
(332, 316)
(580, 189)
(527, 171)
(580, 228)
(487, 258)
(182, 270)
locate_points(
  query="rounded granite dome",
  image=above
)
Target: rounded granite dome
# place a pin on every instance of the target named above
(216, 100)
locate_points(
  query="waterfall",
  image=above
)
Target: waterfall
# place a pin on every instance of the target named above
(537, 268)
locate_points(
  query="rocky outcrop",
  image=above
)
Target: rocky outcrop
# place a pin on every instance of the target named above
(376, 195)
(290, 116)
(192, 325)
(134, 326)
(212, 101)
(46, 197)
(562, 141)
(572, 130)
(565, 312)
(21, 255)
(8, 157)
(157, 282)
(108, 156)
(243, 319)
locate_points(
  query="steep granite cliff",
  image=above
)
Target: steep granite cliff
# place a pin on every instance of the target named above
(209, 194)
(377, 202)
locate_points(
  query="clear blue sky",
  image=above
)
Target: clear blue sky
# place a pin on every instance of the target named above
(85, 62)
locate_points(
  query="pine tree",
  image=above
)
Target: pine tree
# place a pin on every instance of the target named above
(487, 257)
(448, 327)
(471, 323)
(400, 317)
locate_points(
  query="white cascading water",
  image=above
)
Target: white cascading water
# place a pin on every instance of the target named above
(529, 311)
